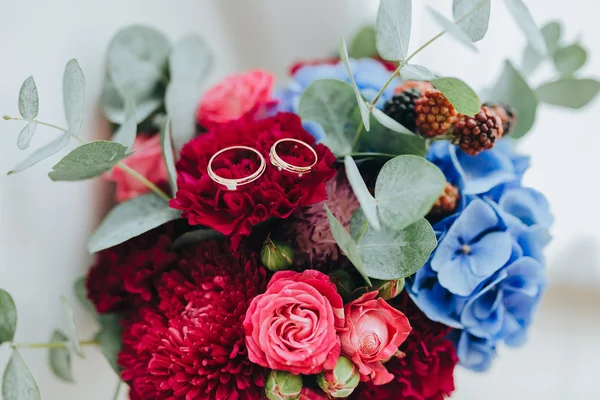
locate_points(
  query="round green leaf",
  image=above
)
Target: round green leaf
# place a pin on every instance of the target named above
(29, 102)
(531, 59)
(8, 317)
(474, 17)
(18, 383)
(26, 135)
(393, 29)
(525, 21)
(367, 202)
(110, 339)
(73, 96)
(113, 104)
(406, 188)
(452, 29)
(195, 236)
(363, 45)
(413, 72)
(127, 132)
(60, 358)
(569, 59)
(569, 92)
(71, 328)
(389, 137)
(80, 291)
(459, 94)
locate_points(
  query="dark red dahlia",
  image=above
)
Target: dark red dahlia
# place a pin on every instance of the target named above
(274, 194)
(425, 368)
(122, 275)
(191, 343)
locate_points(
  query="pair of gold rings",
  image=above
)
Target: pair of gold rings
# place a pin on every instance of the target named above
(275, 158)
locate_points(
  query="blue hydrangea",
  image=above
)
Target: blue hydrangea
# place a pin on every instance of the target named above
(487, 274)
(370, 76)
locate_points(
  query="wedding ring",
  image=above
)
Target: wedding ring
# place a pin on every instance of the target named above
(233, 184)
(281, 165)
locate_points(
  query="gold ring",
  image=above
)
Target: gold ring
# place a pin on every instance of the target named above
(232, 184)
(278, 163)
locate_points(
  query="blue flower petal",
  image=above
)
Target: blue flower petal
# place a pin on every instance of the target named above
(530, 206)
(474, 353)
(484, 171)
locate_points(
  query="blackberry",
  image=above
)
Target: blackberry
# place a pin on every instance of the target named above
(478, 133)
(506, 113)
(401, 108)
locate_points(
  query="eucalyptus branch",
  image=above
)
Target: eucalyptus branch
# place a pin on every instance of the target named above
(52, 345)
(142, 179)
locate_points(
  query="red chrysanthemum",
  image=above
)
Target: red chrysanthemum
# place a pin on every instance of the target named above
(274, 194)
(424, 370)
(191, 344)
(122, 275)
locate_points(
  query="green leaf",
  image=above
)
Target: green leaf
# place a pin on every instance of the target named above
(26, 135)
(362, 106)
(393, 29)
(452, 29)
(388, 136)
(330, 103)
(113, 104)
(60, 358)
(80, 291)
(366, 200)
(475, 25)
(126, 133)
(72, 329)
(513, 90)
(406, 188)
(88, 161)
(8, 317)
(390, 123)
(459, 94)
(195, 236)
(413, 72)
(569, 59)
(18, 383)
(526, 23)
(531, 59)
(131, 219)
(29, 102)
(346, 243)
(73, 96)
(569, 92)
(189, 64)
(110, 339)
(42, 153)
(393, 253)
(167, 153)
(363, 45)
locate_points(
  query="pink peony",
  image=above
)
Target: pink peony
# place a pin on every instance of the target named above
(147, 160)
(235, 96)
(371, 335)
(292, 326)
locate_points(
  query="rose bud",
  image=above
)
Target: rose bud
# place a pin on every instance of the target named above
(310, 394)
(276, 256)
(388, 289)
(343, 281)
(281, 385)
(340, 382)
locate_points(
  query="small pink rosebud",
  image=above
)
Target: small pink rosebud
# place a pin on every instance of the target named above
(341, 381)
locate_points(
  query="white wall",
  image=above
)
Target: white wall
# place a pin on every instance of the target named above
(44, 225)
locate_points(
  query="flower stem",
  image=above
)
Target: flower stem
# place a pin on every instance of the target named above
(52, 345)
(142, 179)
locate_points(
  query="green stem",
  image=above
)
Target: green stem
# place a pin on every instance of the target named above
(142, 179)
(362, 232)
(52, 345)
(118, 390)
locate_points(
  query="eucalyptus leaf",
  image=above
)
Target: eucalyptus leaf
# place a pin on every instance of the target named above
(29, 102)
(113, 104)
(195, 236)
(390, 123)
(131, 219)
(26, 135)
(406, 188)
(362, 106)
(413, 72)
(526, 23)
(388, 136)
(73, 96)
(363, 45)
(569, 59)
(346, 243)
(569, 92)
(452, 29)
(473, 17)
(531, 59)
(126, 133)
(167, 153)
(60, 358)
(459, 94)
(110, 339)
(18, 383)
(42, 153)
(513, 90)
(8, 317)
(80, 291)
(72, 329)
(88, 161)
(393, 29)
(189, 63)
(359, 187)
(330, 102)
(393, 253)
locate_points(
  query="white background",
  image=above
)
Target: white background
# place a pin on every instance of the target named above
(44, 225)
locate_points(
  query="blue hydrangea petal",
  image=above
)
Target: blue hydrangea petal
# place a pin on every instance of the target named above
(484, 171)
(474, 353)
(439, 305)
(529, 205)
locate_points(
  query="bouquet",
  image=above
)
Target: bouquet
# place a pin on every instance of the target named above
(356, 233)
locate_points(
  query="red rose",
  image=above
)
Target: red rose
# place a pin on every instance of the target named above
(292, 326)
(372, 332)
(274, 194)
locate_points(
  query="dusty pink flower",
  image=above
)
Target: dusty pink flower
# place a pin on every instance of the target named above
(372, 332)
(292, 326)
(147, 160)
(235, 96)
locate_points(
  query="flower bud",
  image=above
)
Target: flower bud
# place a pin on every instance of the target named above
(340, 382)
(276, 256)
(343, 282)
(388, 289)
(282, 385)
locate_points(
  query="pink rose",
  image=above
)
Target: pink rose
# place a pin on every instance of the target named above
(292, 326)
(147, 160)
(372, 332)
(310, 394)
(235, 96)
